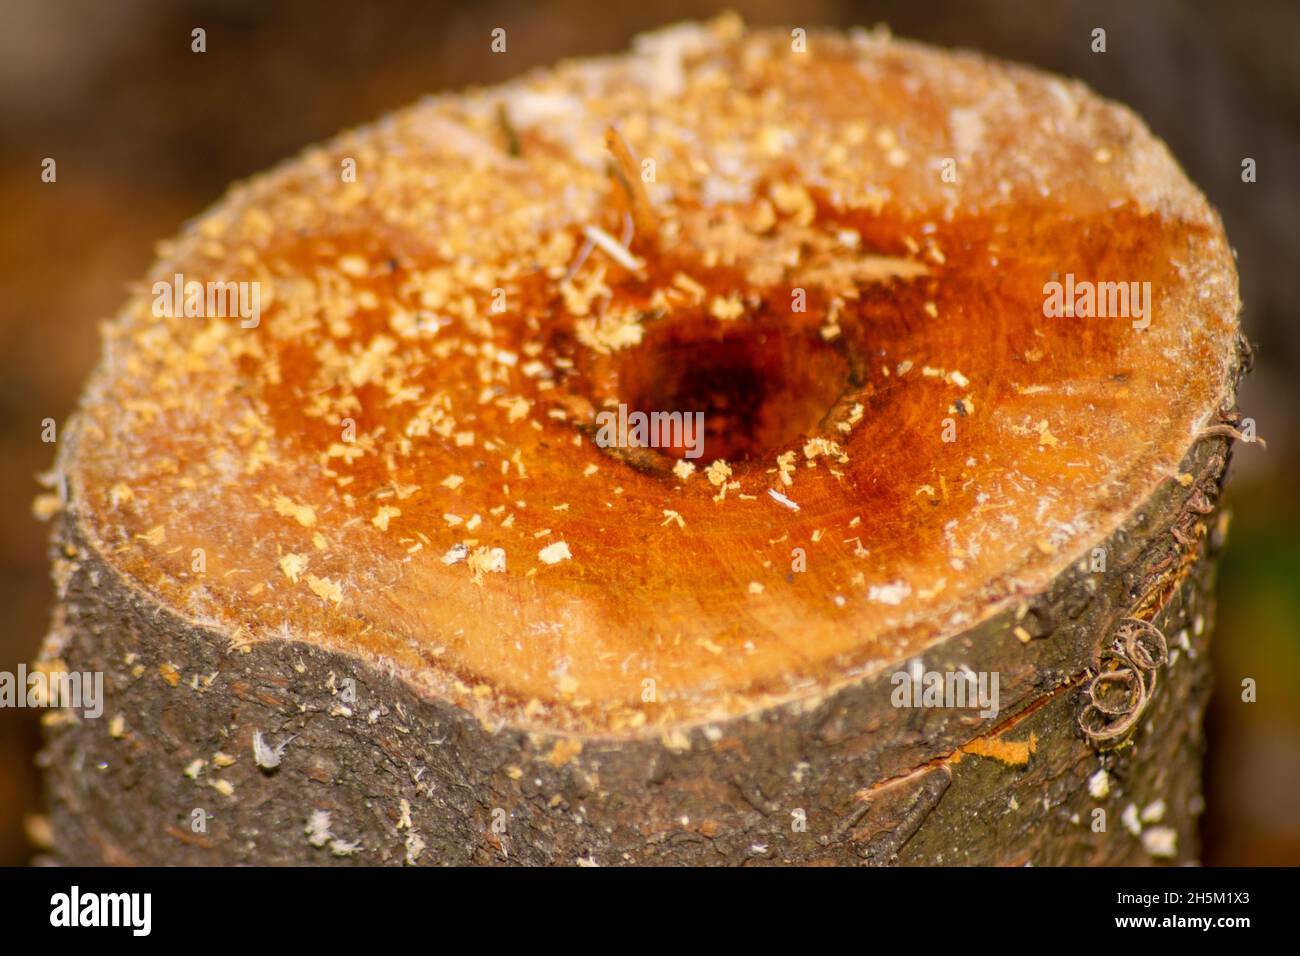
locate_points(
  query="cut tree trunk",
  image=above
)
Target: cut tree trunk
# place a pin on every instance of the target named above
(369, 583)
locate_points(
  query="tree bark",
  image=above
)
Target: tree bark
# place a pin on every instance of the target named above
(405, 779)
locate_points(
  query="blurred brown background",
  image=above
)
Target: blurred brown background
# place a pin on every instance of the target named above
(147, 133)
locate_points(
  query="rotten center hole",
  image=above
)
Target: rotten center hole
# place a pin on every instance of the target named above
(763, 385)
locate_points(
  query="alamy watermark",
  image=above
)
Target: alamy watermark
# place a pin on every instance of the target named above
(1085, 300)
(916, 687)
(217, 299)
(621, 429)
(133, 911)
(79, 690)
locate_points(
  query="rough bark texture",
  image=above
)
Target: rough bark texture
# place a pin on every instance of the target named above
(411, 780)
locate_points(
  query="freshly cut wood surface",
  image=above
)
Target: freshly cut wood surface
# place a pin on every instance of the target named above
(773, 172)
(366, 587)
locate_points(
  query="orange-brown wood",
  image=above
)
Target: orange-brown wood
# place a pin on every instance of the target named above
(433, 346)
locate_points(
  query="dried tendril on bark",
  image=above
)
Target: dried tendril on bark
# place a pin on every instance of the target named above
(1137, 651)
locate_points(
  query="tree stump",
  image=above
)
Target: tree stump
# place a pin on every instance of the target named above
(370, 582)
